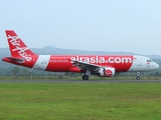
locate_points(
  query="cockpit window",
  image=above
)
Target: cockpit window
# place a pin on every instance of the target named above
(149, 60)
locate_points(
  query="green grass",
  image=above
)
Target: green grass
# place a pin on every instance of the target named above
(84, 101)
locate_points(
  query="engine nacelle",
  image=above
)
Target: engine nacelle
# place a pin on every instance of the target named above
(107, 72)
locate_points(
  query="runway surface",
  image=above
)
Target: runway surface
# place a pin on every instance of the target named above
(79, 81)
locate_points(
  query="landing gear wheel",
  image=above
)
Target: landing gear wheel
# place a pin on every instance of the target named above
(85, 77)
(138, 77)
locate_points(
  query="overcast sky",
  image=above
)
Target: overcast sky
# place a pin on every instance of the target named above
(95, 25)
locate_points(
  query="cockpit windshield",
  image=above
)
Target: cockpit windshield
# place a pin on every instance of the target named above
(149, 60)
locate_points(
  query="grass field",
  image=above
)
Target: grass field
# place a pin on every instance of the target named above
(85, 101)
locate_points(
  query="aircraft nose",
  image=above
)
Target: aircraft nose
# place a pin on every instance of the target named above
(156, 66)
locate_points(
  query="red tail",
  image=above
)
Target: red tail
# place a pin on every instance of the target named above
(17, 47)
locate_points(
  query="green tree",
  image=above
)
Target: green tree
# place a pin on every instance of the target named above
(15, 71)
(25, 72)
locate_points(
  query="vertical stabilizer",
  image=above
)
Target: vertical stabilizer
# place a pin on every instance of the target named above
(17, 47)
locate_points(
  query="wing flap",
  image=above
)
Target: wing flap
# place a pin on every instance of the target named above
(85, 65)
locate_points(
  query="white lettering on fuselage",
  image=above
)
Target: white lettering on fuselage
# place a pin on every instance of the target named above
(21, 50)
(97, 59)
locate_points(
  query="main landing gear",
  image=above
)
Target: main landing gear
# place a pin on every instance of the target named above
(85, 77)
(138, 76)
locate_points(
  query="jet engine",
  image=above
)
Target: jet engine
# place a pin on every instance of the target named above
(106, 72)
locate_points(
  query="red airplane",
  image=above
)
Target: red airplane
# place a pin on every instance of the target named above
(100, 65)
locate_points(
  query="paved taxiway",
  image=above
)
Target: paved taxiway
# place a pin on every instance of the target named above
(79, 81)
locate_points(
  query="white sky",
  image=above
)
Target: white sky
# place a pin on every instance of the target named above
(96, 25)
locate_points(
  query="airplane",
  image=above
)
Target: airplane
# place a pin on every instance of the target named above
(100, 65)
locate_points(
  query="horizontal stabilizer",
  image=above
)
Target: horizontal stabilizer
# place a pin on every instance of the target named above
(19, 60)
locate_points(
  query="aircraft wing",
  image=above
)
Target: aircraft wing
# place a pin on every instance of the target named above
(89, 66)
(85, 65)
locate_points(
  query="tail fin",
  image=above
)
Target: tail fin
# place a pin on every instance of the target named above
(17, 47)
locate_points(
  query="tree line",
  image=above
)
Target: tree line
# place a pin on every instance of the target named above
(18, 71)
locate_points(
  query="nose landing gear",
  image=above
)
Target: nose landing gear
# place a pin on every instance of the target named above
(138, 76)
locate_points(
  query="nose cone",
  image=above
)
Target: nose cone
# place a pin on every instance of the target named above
(156, 66)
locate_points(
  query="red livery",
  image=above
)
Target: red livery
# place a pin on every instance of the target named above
(103, 66)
